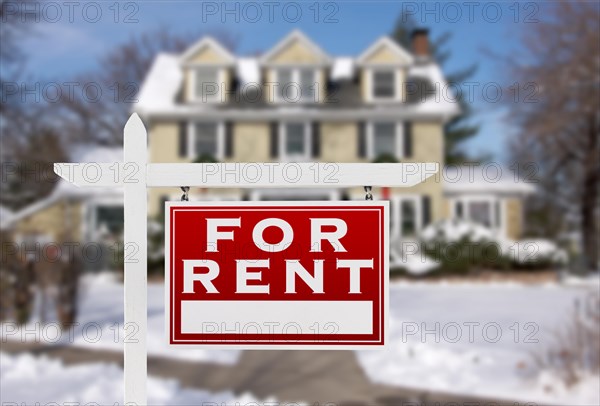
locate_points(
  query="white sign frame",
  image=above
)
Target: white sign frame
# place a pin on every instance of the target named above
(135, 175)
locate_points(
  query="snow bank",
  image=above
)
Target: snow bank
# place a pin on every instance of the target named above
(96, 383)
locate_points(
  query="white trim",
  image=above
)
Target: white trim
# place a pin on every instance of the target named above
(283, 155)
(191, 134)
(394, 47)
(191, 85)
(300, 36)
(399, 138)
(203, 43)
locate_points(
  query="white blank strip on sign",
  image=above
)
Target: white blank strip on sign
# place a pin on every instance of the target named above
(276, 317)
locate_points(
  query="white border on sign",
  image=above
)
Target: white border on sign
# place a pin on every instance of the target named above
(269, 346)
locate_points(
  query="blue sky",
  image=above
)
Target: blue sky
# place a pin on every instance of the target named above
(75, 42)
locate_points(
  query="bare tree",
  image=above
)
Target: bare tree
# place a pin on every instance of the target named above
(559, 128)
(120, 75)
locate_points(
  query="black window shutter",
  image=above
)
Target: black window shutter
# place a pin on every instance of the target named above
(274, 140)
(183, 139)
(362, 140)
(228, 139)
(408, 140)
(426, 207)
(316, 139)
(459, 210)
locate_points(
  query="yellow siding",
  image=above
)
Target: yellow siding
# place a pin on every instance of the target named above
(296, 52)
(384, 55)
(364, 84)
(339, 142)
(207, 55)
(251, 142)
(514, 221)
(164, 147)
(61, 221)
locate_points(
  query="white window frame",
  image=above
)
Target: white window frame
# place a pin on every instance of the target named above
(283, 155)
(296, 79)
(216, 98)
(371, 85)
(399, 142)
(396, 202)
(491, 200)
(191, 147)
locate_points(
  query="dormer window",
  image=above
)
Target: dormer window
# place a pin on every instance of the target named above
(296, 85)
(206, 84)
(384, 84)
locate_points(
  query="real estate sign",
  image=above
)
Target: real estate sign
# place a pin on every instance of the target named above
(276, 274)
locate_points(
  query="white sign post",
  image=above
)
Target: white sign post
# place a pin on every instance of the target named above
(136, 175)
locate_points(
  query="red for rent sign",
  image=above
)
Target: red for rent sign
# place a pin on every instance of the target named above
(276, 274)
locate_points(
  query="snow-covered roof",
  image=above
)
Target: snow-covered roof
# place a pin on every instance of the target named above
(343, 68)
(484, 178)
(160, 90)
(66, 190)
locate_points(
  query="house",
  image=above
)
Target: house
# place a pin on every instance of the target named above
(298, 103)
(294, 103)
(88, 220)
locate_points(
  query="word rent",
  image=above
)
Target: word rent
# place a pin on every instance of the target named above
(322, 231)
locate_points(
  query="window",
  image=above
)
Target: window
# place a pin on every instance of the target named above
(109, 219)
(286, 87)
(307, 85)
(296, 85)
(408, 216)
(206, 140)
(384, 84)
(384, 139)
(481, 212)
(295, 141)
(206, 84)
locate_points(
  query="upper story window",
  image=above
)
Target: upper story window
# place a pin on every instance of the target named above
(206, 84)
(295, 141)
(205, 140)
(383, 85)
(385, 138)
(296, 85)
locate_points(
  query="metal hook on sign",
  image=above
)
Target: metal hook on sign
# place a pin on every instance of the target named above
(368, 195)
(185, 196)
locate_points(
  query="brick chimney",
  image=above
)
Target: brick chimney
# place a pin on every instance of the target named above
(420, 43)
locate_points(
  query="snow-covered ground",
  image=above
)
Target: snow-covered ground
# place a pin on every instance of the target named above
(101, 324)
(477, 339)
(100, 384)
(464, 338)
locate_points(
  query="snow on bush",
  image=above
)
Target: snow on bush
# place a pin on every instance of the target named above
(469, 244)
(97, 383)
